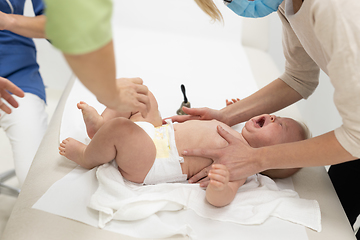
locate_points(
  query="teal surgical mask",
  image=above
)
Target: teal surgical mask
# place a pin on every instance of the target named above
(253, 9)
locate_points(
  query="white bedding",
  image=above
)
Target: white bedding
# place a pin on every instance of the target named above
(74, 191)
(257, 200)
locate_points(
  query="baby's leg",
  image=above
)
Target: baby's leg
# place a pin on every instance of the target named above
(92, 119)
(109, 114)
(136, 151)
(118, 139)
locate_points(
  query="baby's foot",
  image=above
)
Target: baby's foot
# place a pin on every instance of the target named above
(73, 150)
(92, 119)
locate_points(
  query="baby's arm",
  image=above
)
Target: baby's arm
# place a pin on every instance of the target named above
(220, 192)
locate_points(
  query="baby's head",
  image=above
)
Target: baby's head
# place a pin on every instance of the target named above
(153, 115)
(266, 130)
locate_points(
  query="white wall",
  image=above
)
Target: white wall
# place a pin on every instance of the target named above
(318, 110)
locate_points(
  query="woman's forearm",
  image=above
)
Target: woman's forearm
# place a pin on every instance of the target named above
(31, 27)
(269, 99)
(318, 151)
(96, 70)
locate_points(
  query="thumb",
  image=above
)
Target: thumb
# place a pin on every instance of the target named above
(226, 135)
(193, 111)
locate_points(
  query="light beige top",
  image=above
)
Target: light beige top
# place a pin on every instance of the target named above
(326, 34)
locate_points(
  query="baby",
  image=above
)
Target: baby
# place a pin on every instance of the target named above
(146, 151)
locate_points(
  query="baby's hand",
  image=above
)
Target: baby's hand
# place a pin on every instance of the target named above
(228, 103)
(219, 177)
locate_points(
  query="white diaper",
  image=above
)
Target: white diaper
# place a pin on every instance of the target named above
(166, 167)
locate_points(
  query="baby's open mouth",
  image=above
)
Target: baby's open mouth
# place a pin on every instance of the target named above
(260, 122)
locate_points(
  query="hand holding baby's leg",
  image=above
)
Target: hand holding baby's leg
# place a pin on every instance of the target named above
(219, 177)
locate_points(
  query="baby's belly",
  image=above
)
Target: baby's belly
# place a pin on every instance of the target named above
(199, 134)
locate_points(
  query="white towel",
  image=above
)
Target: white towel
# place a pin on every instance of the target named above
(257, 200)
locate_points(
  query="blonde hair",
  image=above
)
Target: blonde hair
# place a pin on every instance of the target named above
(209, 7)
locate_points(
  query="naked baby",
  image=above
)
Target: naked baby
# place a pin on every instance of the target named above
(146, 151)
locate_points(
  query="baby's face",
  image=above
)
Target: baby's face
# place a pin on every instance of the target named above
(266, 130)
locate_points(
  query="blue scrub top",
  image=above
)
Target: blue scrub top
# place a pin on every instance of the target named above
(18, 53)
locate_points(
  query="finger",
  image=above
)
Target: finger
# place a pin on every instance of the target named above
(193, 111)
(10, 99)
(142, 89)
(201, 152)
(226, 135)
(137, 80)
(143, 110)
(144, 99)
(217, 177)
(222, 172)
(4, 107)
(6, 84)
(143, 104)
(216, 184)
(204, 182)
(200, 175)
(180, 118)
(219, 166)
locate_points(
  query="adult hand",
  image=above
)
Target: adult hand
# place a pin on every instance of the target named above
(3, 20)
(237, 157)
(5, 86)
(196, 114)
(133, 96)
